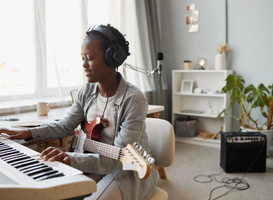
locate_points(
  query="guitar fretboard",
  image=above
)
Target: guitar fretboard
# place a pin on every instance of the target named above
(102, 149)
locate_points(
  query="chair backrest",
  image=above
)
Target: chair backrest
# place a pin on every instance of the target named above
(161, 141)
(74, 94)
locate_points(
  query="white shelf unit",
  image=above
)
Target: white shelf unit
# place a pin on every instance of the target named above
(212, 80)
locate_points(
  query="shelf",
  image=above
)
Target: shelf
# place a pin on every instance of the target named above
(201, 71)
(212, 80)
(205, 114)
(200, 95)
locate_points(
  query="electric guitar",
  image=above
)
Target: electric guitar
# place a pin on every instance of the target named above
(133, 157)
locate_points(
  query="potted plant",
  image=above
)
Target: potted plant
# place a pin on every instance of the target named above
(248, 98)
(187, 64)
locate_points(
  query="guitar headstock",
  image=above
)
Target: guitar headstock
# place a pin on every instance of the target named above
(133, 159)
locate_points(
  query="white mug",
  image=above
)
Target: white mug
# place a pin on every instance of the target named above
(43, 108)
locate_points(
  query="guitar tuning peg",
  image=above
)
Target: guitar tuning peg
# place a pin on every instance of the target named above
(135, 144)
(140, 149)
(151, 160)
(148, 156)
(144, 154)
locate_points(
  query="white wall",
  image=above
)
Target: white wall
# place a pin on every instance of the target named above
(179, 45)
(249, 32)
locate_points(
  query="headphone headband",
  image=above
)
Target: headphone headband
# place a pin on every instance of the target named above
(114, 55)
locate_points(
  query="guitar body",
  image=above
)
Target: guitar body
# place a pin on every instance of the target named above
(92, 130)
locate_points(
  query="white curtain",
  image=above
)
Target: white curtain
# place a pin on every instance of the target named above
(139, 21)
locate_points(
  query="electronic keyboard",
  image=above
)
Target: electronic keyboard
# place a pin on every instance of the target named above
(25, 175)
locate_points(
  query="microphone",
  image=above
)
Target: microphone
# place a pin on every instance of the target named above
(159, 65)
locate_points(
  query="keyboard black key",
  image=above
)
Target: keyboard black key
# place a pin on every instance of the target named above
(44, 174)
(8, 153)
(59, 174)
(5, 148)
(13, 155)
(6, 159)
(29, 167)
(37, 171)
(22, 161)
(11, 160)
(26, 163)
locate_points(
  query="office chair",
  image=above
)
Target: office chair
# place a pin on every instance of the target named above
(162, 145)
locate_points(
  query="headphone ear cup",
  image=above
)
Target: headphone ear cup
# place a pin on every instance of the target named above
(113, 57)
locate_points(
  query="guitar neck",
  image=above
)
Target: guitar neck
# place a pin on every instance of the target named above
(102, 149)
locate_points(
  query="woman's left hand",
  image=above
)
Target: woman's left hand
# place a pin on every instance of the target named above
(55, 154)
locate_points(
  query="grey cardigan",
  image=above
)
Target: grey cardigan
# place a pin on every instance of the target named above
(130, 109)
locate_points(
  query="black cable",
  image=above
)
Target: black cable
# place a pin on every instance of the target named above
(227, 181)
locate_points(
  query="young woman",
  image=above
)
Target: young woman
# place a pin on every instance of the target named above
(109, 96)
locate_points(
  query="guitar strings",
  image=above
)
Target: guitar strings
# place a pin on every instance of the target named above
(113, 153)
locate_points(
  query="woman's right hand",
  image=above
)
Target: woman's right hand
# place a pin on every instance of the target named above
(20, 134)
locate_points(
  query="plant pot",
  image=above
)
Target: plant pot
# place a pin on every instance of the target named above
(187, 65)
(219, 61)
(268, 134)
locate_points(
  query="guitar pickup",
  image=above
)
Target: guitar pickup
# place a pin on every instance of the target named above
(75, 142)
(78, 142)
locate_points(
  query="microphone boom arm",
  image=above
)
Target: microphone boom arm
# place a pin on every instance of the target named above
(149, 73)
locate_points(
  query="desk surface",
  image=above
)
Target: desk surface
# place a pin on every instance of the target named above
(54, 114)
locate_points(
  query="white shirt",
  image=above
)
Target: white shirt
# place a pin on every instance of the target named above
(96, 110)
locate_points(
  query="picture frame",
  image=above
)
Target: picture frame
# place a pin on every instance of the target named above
(186, 86)
(189, 7)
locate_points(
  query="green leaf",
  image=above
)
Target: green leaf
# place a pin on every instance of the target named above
(271, 88)
(265, 115)
(258, 97)
(234, 86)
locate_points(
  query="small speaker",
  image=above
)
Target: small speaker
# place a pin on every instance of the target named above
(243, 152)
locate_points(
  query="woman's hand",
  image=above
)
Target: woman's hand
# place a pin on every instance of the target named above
(20, 134)
(55, 154)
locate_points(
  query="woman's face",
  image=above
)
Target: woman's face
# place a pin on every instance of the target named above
(95, 68)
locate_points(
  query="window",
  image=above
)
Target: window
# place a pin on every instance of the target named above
(17, 71)
(40, 51)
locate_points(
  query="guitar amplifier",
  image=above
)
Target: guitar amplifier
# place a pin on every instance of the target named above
(243, 152)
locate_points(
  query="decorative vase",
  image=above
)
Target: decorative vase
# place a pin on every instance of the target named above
(219, 61)
(268, 134)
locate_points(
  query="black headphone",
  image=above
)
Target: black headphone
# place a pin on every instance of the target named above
(114, 55)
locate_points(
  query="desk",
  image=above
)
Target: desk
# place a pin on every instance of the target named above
(56, 114)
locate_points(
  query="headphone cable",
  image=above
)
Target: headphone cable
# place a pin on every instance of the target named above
(108, 96)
